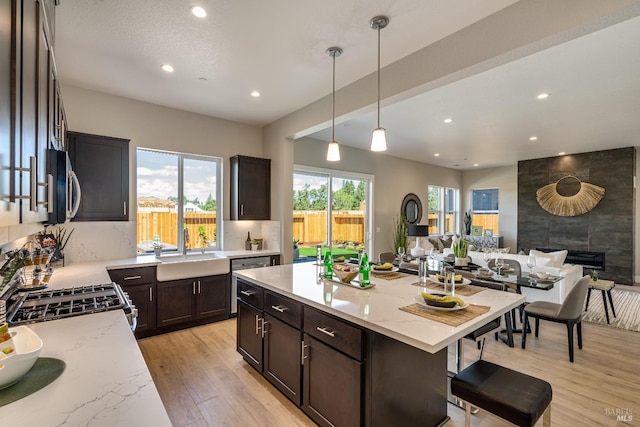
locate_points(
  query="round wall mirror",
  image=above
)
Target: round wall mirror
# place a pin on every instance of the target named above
(411, 208)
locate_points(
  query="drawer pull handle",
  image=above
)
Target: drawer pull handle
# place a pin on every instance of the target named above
(132, 277)
(325, 331)
(246, 293)
(279, 308)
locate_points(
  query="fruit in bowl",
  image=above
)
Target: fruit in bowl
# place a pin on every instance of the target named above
(346, 274)
(441, 300)
(27, 349)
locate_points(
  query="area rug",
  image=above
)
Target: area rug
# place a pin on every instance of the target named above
(627, 305)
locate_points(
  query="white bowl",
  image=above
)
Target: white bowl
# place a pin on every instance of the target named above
(28, 345)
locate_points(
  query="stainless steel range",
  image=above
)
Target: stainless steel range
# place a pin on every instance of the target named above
(52, 304)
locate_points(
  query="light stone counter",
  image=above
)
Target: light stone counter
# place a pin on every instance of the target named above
(106, 381)
(377, 308)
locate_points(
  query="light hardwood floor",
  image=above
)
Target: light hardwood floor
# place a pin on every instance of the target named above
(203, 381)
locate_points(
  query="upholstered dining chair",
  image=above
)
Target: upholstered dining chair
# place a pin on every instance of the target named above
(570, 313)
(386, 257)
(514, 264)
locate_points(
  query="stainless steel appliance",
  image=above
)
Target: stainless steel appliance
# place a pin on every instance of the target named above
(66, 191)
(52, 304)
(244, 264)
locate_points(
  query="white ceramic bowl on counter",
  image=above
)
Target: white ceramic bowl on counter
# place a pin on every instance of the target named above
(28, 346)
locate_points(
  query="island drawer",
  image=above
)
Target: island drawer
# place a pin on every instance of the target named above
(285, 309)
(133, 276)
(251, 294)
(334, 332)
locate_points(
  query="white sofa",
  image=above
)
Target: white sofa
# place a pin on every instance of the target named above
(570, 273)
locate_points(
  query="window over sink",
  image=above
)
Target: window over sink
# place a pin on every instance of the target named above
(174, 191)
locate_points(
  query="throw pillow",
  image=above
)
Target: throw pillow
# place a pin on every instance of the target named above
(557, 258)
(437, 244)
(502, 250)
(446, 241)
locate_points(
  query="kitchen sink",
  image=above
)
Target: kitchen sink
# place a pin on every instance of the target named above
(180, 266)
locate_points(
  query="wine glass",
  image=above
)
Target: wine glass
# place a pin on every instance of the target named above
(401, 253)
(499, 264)
(531, 263)
(486, 256)
(432, 259)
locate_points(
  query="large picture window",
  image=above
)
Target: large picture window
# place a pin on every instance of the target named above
(330, 206)
(177, 191)
(444, 210)
(485, 208)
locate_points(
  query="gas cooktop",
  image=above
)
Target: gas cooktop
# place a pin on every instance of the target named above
(38, 306)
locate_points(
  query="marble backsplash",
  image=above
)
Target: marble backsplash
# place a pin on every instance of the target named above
(99, 241)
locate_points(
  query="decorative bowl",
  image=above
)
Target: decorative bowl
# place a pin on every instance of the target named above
(28, 346)
(346, 274)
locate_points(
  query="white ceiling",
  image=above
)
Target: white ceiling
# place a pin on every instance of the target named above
(278, 48)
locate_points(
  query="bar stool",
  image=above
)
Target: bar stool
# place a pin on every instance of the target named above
(605, 286)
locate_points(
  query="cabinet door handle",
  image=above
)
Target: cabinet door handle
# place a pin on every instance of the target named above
(49, 193)
(302, 355)
(193, 284)
(199, 290)
(34, 184)
(132, 277)
(279, 308)
(325, 331)
(246, 293)
(264, 330)
(257, 323)
(124, 208)
(150, 294)
(241, 209)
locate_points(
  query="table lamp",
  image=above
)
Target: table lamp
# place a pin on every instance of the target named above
(418, 231)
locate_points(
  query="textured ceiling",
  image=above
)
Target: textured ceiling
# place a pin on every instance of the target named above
(278, 48)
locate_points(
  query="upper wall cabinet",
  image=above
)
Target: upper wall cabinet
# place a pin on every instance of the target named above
(250, 188)
(26, 109)
(102, 166)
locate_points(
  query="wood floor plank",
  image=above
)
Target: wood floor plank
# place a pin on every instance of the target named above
(216, 387)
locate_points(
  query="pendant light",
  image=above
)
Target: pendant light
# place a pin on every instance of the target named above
(333, 152)
(379, 139)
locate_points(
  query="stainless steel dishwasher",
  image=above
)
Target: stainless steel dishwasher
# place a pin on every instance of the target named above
(244, 264)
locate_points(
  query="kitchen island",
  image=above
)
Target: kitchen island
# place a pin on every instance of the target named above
(398, 360)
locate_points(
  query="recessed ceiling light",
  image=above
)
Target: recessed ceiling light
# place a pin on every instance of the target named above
(198, 11)
(448, 120)
(543, 95)
(475, 164)
(437, 154)
(562, 153)
(168, 68)
(255, 94)
(533, 138)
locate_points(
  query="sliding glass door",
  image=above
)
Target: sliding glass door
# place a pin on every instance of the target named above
(331, 207)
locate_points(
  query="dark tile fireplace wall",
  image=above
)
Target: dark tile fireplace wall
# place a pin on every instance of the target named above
(608, 228)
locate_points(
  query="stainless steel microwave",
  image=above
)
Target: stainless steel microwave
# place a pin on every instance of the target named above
(66, 188)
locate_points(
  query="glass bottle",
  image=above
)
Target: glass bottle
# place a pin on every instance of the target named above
(365, 269)
(328, 261)
(247, 243)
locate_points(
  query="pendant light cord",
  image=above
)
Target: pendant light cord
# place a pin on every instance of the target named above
(333, 110)
(378, 75)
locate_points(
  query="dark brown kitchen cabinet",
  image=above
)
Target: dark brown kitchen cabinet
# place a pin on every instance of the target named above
(102, 166)
(250, 188)
(332, 345)
(140, 284)
(275, 259)
(9, 110)
(269, 337)
(187, 302)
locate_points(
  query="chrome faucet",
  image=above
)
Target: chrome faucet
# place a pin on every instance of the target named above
(186, 240)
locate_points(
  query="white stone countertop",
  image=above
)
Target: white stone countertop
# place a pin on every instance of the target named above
(105, 383)
(377, 308)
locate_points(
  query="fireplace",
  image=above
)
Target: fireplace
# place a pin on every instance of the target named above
(588, 259)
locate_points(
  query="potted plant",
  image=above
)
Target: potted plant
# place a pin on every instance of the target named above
(468, 220)
(254, 244)
(62, 238)
(400, 233)
(296, 250)
(460, 248)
